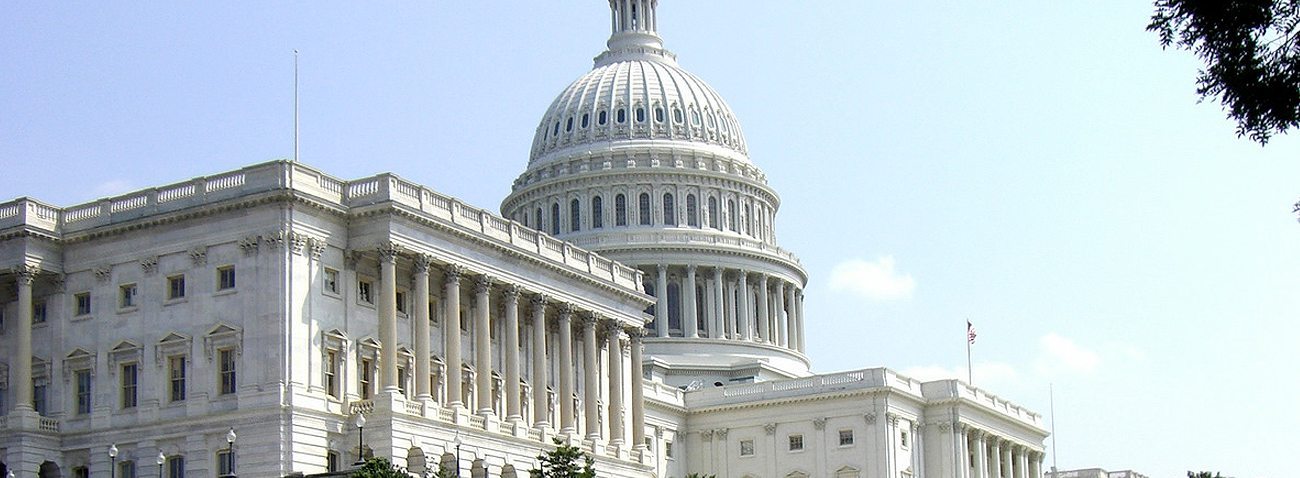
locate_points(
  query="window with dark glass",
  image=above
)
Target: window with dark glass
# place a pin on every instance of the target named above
(555, 219)
(538, 223)
(620, 210)
(225, 277)
(366, 378)
(692, 211)
(575, 215)
(176, 466)
(643, 203)
(176, 373)
(677, 115)
(621, 116)
(130, 382)
(83, 303)
(597, 213)
(640, 114)
(84, 392)
(602, 118)
(38, 312)
(731, 215)
(713, 212)
(674, 306)
(586, 120)
(749, 221)
(176, 287)
(659, 114)
(568, 125)
(670, 214)
(226, 370)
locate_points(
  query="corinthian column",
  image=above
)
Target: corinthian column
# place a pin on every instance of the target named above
(743, 320)
(719, 317)
(803, 327)
(540, 418)
(451, 335)
(511, 352)
(591, 385)
(25, 275)
(791, 319)
(661, 300)
(981, 455)
(782, 333)
(638, 392)
(566, 369)
(615, 384)
(420, 326)
(763, 333)
(483, 345)
(690, 317)
(388, 317)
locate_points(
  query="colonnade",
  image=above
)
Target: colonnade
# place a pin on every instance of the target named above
(737, 305)
(596, 333)
(990, 456)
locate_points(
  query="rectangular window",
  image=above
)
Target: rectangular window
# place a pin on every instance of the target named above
(38, 312)
(83, 303)
(902, 439)
(365, 292)
(175, 287)
(796, 442)
(367, 378)
(331, 461)
(126, 296)
(401, 380)
(81, 472)
(225, 463)
(331, 368)
(126, 469)
(401, 302)
(84, 392)
(176, 466)
(225, 277)
(747, 448)
(226, 359)
(668, 449)
(331, 281)
(176, 374)
(130, 382)
(38, 398)
(846, 437)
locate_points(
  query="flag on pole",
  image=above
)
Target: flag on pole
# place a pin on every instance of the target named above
(970, 333)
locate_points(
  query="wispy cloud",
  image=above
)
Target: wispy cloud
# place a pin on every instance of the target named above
(1059, 355)
(874, 280)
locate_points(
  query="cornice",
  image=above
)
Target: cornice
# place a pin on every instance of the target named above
(791, 400)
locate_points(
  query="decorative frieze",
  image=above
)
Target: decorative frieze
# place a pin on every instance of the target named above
(103, 273)
(250, 244)
(870, 418)
(149, 265)
(769, 428)
(199, 256)
(819, 423)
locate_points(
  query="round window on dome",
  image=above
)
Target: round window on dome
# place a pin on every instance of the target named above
(621, 116)
(586, 120)
(602, 118)
(640, 114)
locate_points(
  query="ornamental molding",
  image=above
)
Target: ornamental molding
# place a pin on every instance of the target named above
(103, 273)
(223, 336)
(199, 256)
(769, 428)
(171, 345)
(250, 244)
(870, 418)
(819, 423)
(318, 247)
(125, 351)
(149, 265)
(78, 359)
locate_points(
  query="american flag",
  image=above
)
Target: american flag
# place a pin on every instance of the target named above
(970, 332)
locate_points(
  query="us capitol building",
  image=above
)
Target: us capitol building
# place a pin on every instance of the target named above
(630, 299)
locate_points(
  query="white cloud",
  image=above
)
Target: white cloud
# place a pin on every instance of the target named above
(877, 281)
(1059, 354)
(111, 187)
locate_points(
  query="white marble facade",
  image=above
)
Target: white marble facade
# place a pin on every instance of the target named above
(632, 301)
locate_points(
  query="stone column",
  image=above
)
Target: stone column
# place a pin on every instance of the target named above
(764, 335)
(729, 308)
(995, 454)
(719, 318)
(420, 327)
(1036, 465)
(791, 319)
(742, 308)
(638, 392)
(782, 332)
(661, 300)
(616, 404)
(511, 352)
(451, 334)
(540, 418)
(803, 328)
(483, 345)
(566, 369)
(1005, 463)
(1022, 462)
(690, 327)
(590, 377)
(388, 317)
(981, 455)
(21, 367)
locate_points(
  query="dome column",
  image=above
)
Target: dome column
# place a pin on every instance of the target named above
(782, 332)
(719, 318)
(791, 319)
(802, 327)
(690, 317)
(661, 300)
(764, 334)
(742, 307)
(540, 415)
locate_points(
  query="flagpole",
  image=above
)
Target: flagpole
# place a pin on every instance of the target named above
(969, 373)
(1051, 400)
(295, 105)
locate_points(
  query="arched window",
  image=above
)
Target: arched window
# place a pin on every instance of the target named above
(538, 223)
(568, 125)
(643, 203)
(670, 214)
(602, 118)
(731, 215)
(713, 212)
(713, 122)
(674, 307)
(749, 221)
(557, 129)
(692, 211)
(640, 114)
(695, 118)
(586, 120)
(620, 210)
(523, 218)
(659, 114)
(555, 219)
(575, 215)
(677, 115)
(597, 213)
(621, 116)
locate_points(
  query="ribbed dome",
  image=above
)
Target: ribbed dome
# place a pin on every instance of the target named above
(647, 98)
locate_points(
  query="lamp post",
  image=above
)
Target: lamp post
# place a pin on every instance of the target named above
(161, 459)
(360, 422)
(458, 442)
(230, 453)
(112, 460)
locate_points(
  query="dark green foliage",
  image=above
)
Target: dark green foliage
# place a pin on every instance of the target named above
(565, 462)
(379, 468)
(1203, 474)
(1251, 51)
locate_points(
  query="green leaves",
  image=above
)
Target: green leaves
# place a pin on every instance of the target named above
(565, 462)
(379, 468)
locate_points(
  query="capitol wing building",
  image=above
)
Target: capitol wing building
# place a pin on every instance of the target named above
(630, 299)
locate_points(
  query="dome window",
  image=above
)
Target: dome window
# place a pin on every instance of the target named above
(568, 125)
(640, 114)
(555, 219)
(586, 120)
(692, 211)
(643, 203)
(677, 115)
(621, 116)
(597, 213)
(620, 210)
(659, 114)
(537, 224)
(670, 213)
(575, 215)
(557, 129)
(712, 122)
(713, 212)
(695, 120)
(602, 118)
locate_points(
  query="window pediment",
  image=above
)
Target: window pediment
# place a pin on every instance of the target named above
(124, 351)
(223, 336)
(173, 344)
(369, 347)
(79, 359)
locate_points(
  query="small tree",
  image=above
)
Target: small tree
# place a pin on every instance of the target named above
(379, 467)
(564, 463)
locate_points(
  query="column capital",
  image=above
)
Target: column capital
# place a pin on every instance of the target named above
(482, 283)
(691, 268)
(452, 272)
(511, 292)
(26, 273)
(819, 423)
(388, 251)
(540, 300)
(769, 428)
(635, 334)
(589, 319)
(662, 268)
(421, 263)
(721, 432)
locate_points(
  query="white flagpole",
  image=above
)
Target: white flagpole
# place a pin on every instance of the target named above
(970, 374)
(1051, 400)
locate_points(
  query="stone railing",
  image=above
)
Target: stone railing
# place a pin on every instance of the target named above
(361, 406)
(49, 425)
(817, 384)
(291, 176)
(684, 236)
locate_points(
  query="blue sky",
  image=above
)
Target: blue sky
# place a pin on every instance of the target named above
(1042, 169)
